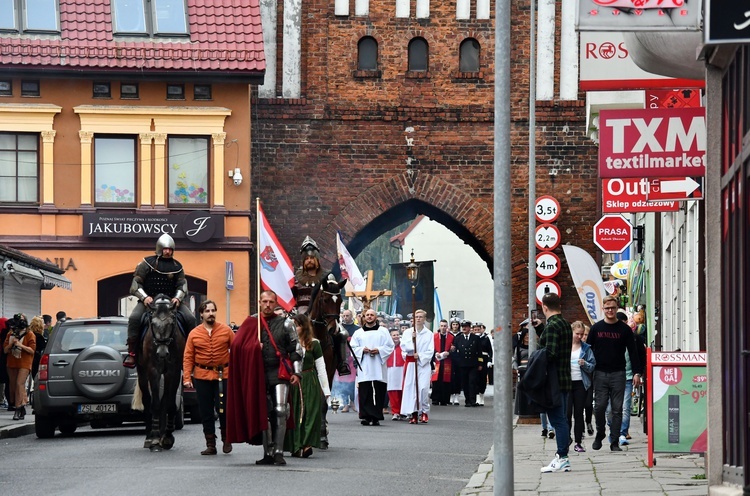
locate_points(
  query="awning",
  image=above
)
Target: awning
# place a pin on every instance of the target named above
(20, 272)
(51, 279)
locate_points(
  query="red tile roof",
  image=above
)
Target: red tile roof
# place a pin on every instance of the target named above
(225, 35)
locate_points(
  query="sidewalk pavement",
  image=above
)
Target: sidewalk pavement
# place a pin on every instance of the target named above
(593, 472)
(15, 428)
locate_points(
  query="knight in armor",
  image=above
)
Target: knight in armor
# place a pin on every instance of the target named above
(285, 337)
(306, 279)
(309, 275)
(157, 274)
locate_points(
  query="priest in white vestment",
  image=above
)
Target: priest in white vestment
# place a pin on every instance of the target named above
(417, 406)
(372, 345)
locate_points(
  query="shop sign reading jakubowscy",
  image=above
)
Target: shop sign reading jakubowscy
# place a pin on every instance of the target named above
(639, 15)
(196, 226)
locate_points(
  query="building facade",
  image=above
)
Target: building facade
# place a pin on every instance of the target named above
(120, 121)
(382, 111)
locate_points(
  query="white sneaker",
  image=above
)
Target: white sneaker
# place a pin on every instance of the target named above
(480, 399)
(623, 441)
(557, 465)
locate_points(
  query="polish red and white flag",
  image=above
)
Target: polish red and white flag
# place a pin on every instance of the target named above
(276, 270)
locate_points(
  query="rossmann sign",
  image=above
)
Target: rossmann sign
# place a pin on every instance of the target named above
(652, 143)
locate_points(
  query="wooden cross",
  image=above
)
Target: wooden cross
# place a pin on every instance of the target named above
(368, 295)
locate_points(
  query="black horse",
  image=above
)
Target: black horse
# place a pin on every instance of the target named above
(324, 313)
(159, 367)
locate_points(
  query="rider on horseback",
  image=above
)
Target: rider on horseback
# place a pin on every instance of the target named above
(306, 279)
(156, 274)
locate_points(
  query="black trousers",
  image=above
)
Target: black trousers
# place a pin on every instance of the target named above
(468, 384)
(609, 387)
(576, 403)
(371, 400)
(588, 407)
(441, 391)
(208, 401)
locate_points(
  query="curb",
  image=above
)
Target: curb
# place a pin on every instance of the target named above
(16, 430)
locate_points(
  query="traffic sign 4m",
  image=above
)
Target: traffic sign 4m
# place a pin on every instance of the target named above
(613, 233)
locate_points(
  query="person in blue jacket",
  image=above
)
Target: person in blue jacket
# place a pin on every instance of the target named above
(582, 363)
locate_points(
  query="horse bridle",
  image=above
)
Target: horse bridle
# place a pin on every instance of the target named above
(327, 317)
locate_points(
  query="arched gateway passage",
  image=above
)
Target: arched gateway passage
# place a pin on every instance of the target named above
(399, 199)
(112, 289)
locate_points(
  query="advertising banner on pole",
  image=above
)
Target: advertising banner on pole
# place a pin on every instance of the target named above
(638, 15)
(677, 392)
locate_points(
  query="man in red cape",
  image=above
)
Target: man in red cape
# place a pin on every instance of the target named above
(247, 417)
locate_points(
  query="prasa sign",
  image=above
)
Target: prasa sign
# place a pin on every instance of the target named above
(613, 233)
(652, 143)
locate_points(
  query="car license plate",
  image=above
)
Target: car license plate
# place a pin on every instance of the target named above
(98, 408)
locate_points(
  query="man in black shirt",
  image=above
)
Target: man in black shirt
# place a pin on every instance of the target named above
(468, 350)
(610, 338)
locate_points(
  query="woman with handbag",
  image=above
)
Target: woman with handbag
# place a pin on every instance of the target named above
(307, 396)
(20, 346)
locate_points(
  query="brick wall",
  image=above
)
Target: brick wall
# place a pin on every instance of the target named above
(337, 158)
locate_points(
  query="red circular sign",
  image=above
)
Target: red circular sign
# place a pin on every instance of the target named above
(547, 265)
(546, 286)
(613, 233)
(670, 375)
(547, 237)
(546, 209)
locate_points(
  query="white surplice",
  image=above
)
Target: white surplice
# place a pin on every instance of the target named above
(425, 350)
(373, 366)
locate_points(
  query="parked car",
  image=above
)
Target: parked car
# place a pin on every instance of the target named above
(81, 378)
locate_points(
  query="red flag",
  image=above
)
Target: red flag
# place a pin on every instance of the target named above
(276, 272)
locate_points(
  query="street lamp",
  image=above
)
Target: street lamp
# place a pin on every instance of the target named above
(412, 273)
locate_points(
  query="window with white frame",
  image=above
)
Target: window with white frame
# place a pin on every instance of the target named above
(30, 16)
(188, 170)
(149, 17)
(114, 169)
(19, 168)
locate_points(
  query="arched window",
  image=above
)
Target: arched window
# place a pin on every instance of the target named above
(419, 55)
(468, 58)
(367, 57)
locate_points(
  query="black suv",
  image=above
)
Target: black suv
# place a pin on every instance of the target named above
(81, 378)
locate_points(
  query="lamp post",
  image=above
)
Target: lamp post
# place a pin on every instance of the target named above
(412, 273)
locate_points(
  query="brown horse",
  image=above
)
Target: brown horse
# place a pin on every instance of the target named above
(159, 367)
(324, 313)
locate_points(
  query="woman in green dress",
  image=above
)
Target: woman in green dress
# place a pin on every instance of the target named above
(308, 395)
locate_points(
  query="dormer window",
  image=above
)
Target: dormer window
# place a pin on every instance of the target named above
(149, 17)
(29, 16)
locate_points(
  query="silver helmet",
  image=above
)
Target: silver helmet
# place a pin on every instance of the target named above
(164, 241)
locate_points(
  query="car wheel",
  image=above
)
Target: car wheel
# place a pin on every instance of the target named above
(195, 415)
(68, 427)
(44, 426)
(179, 421)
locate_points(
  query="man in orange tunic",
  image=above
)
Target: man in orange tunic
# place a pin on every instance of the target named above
(206, 359)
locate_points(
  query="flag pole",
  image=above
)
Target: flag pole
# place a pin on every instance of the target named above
(257, 259)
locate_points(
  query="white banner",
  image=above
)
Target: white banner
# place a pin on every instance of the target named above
(587, 279)
(348, 266)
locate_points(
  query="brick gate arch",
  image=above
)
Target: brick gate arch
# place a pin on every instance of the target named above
(399, 199)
